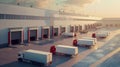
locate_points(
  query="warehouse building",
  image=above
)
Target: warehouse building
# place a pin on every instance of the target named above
(19, 25)
(111, 22)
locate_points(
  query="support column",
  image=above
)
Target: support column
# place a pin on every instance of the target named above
(42, 32)
(22, 37)
(59, 31)
(9, 38)
(28, 35)
(73, 28)
(37, 34)
(53, 29)
(49, 33)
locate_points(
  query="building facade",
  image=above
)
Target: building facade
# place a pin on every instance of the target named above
(24, 24)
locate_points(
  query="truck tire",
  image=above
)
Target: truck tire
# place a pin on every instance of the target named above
(20, 59)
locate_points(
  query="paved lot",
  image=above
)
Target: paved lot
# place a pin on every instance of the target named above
(99, 53)
(111, 62)
(8, 56)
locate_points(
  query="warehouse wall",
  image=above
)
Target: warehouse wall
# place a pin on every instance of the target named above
(47, 18)
(111, 22)
(5, 24)
(72, 22)
(10, 9)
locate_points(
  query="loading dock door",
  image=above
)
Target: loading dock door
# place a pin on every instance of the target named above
(85, 27)
(80, 28)
(51, 32)
(89, 26)
(16, 37)
(71, 29)
(76, 28)
(33, 35)
(62, 30)
(45, 33)
(56, 31)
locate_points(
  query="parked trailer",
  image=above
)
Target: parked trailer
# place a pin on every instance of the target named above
(84, 31)
(84, 42)
(68, 50)
(68, 34)
(102, 34)
(89, 38)
(35, 56)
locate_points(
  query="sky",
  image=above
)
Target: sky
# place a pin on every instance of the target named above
(104, 8)
(101, 8)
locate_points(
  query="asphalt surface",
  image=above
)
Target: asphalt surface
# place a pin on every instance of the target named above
(113, 44)
(112, 62)
(8, 56)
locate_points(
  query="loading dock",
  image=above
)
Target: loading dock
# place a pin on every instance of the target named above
(56, 31)
(72, 29)
(107, 25)
(92, 26)
(15, 36)
(89, 26)
(62, 30)
(76, 28)
(85, 27)
(32, 34)
(80, 28)
(45, 32)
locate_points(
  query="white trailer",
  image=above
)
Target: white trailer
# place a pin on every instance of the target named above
(84, 31)
(68, 34)
(35, 56)
(89, 38)
(85, 42)
(69, 50)
(102, 34)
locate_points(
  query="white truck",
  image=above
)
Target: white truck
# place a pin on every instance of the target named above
(89, 38)
(68, 34)
(102, 34)
(69, 50)
(35, 56)
(86, 42)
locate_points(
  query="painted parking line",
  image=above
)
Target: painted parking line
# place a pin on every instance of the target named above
(105, 58)
(101, 52)
(112, 61)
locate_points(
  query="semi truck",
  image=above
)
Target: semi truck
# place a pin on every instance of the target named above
(89, 38)
(68, 34)
(64, 49)
(84, 42)
(35, 56)
(69, 50)
(102, 34)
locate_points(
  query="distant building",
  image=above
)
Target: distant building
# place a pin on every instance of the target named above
(111, 22)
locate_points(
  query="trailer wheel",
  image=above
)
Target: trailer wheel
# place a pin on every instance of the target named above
(20, 59)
